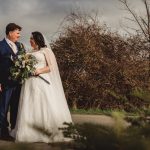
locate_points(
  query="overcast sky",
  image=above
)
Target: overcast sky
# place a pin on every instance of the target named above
(46, 15)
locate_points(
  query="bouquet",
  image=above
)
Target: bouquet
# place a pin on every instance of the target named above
(23, 67)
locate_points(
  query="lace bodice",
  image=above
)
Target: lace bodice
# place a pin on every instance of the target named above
(40, 58)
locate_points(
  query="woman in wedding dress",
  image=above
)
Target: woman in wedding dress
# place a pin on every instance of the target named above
(42, 104)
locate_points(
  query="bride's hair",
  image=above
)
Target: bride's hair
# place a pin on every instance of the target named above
(39, 39)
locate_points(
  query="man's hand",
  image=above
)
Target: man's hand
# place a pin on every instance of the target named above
(0, 88)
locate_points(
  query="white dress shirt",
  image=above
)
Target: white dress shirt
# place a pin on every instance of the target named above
(12, 45)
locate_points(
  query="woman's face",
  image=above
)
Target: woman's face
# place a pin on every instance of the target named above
(32, 42)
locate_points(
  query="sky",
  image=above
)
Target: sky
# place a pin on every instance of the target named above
(47, 15)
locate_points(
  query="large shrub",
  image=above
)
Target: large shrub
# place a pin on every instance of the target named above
(100, 68)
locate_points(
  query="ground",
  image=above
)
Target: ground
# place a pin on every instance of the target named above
(77, 118)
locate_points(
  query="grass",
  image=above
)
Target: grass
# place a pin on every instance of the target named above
(118, 137)
(103, 112)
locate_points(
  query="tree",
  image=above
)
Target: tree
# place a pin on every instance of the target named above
(143, 23)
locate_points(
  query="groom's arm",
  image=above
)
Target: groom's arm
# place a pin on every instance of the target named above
(0, 75)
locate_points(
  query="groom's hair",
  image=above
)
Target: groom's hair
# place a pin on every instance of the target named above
(12, 27)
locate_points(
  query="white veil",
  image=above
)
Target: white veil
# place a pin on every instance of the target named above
(62, 111)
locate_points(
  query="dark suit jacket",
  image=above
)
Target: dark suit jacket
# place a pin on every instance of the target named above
(6, 54)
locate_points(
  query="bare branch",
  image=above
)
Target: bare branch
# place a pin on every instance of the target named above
(127, 18)
(125, 3)
(145, 25)
(148, 17)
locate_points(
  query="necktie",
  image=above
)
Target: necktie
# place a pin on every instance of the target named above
(13, 48)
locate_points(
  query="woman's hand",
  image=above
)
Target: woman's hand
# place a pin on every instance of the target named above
(0, 88)
(37, 72)
(41, 71)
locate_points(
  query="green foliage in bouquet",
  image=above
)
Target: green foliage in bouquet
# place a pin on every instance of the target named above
(23, 68)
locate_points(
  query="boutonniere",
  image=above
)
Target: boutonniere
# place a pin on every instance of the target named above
(21, 49)
(11, 57)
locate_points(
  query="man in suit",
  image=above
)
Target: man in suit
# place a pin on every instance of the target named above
(9, 89)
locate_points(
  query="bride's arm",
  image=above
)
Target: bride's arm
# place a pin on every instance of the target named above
(45, 69)
(42, 70)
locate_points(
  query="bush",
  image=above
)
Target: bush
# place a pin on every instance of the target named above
(100, 68)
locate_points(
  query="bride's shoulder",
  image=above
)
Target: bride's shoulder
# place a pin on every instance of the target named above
(45, 49)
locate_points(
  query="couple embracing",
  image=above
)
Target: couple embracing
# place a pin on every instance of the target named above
(35, 103)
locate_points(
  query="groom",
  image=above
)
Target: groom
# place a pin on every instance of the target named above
(9, 89)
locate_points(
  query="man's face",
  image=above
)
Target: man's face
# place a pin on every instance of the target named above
(14, 35)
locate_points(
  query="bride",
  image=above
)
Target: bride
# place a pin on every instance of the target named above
(42, 104)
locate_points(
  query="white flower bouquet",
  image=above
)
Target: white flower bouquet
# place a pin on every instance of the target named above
(23, 67)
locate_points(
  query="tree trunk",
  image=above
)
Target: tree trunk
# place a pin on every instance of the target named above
(74, 104)
(148, 83)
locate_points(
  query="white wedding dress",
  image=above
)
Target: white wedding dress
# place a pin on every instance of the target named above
(42, 105)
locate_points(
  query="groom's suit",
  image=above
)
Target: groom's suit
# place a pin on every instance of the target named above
(10, 89)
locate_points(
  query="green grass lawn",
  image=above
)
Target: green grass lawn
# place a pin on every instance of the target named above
(105, 112)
